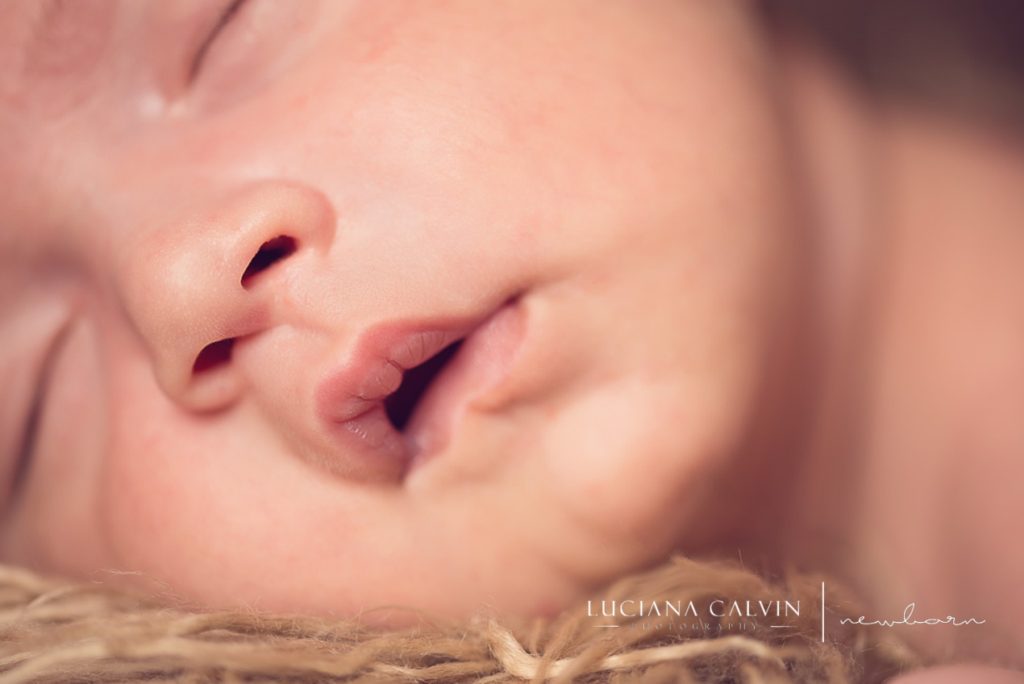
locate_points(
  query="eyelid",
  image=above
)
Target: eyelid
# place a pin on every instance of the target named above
(30, 433)
(264, 41)
(229, 12)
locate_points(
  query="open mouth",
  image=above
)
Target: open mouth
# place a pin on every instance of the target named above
(396, 400)
(371, 401)
(400, 404)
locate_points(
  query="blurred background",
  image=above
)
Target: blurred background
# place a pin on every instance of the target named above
(965, 56)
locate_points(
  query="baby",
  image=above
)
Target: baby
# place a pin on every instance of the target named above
(329, 305)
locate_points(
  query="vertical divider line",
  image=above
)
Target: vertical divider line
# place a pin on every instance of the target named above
(823, 611)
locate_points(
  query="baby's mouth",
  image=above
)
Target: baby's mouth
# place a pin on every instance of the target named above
(400, 394)
(401, 404)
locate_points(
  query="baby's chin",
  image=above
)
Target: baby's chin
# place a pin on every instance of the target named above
(508, 533)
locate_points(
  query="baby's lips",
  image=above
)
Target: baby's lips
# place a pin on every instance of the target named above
(376, 369)
(350, 402)
(501, 342)
(380, 382)
(478, 378)
(412, 350)
(357, 389)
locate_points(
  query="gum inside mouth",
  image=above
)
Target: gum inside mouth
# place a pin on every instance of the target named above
(401, 403)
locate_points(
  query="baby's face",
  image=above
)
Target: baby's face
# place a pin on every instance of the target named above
(227, 234)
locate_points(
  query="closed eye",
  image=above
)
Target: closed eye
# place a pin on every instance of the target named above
(30, 433)
(225, 17)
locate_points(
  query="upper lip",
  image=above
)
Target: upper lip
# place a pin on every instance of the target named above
(379, 358)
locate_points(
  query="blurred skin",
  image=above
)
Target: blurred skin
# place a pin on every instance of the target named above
(911, 483)
(432, 161)
(611, 194)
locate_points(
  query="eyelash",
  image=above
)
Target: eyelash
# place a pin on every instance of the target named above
(30, 433)
(229, 13)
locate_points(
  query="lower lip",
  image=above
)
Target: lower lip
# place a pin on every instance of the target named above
(477, 374)
(375, 451)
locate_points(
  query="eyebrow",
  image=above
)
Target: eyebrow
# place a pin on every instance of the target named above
(66, 37)
(43, 17)
(48, 12)
(51, 50)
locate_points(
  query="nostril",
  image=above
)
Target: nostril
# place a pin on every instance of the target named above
(213, 355)
(269, 253)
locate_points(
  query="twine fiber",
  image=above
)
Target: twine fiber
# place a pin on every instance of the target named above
(56, 631)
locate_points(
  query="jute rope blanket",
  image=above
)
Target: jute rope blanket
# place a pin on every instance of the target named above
(55, 631)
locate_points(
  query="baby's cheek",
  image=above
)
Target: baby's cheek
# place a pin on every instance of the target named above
(175, 500)
(54, 525)
(215, 510)
(632, 460)
(148, 498)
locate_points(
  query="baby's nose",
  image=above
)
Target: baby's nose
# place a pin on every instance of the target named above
(196, 287)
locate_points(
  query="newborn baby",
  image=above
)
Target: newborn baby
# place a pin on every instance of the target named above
(324, 306)
(234, 232)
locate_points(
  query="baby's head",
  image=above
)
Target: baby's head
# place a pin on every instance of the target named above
(228, 228)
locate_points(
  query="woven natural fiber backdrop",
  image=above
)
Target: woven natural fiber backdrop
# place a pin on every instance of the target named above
(54, 631)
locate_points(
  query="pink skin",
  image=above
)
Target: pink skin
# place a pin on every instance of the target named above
(598, 198)
(419, 187)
